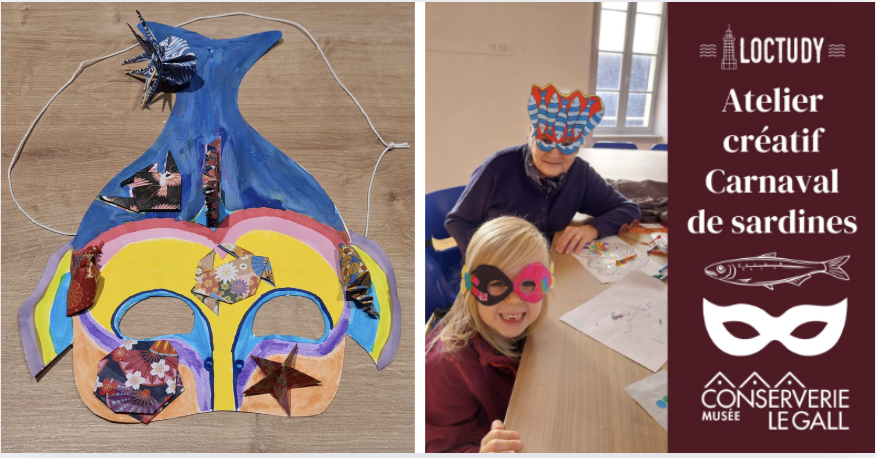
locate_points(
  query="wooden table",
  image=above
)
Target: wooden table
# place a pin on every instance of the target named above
(95, 128)
(569, 395)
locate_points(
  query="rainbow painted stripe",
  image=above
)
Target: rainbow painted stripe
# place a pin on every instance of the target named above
(47, 331)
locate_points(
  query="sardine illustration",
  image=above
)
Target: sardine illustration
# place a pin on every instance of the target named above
(768, 270)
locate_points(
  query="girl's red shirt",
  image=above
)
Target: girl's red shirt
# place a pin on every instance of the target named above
(466, 390)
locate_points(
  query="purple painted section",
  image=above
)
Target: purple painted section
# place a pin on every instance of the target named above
(374, 250)
(101, 336)
(190, 358)
(26, 326)
(187, 356)
(269, 347)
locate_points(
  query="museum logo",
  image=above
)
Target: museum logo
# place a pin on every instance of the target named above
(789, 404)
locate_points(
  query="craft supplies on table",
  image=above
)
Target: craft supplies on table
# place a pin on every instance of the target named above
(609, 259)
(630, 317)
(659, 244)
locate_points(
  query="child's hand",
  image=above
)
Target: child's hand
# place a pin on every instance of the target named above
(500, 441)
(575, 237)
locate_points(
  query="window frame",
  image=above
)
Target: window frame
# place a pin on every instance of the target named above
(621, 129)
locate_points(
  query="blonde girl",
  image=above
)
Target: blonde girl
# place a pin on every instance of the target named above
(473, 354)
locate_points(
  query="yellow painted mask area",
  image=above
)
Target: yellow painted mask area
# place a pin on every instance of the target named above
(170, 264)
(43, 311)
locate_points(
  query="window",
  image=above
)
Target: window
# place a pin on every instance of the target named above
(628, 45)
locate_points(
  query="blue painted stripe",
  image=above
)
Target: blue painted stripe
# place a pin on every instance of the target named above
(200, 337)
(245, 341)
(363, 327)
(60, 325)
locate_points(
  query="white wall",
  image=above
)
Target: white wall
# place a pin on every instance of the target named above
(481, 62)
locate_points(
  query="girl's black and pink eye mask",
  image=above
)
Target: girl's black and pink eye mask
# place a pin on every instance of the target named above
(489, 285)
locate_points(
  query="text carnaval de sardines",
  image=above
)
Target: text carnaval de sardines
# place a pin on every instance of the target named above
(796, 221)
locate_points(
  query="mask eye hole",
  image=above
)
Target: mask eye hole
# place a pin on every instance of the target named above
(527, 286)
(157, 316)
(809, 330)
(741, 330)
(496, 288)
(290, 316)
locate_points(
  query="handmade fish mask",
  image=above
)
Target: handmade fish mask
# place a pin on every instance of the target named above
(490, 286)
(562, 120)
(260, 200)
(774, 328)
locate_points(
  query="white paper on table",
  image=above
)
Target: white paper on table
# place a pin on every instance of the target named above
(652, 393)
(603, 266)
(630, 318)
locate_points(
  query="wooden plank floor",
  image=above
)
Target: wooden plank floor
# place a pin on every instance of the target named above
(95, 128)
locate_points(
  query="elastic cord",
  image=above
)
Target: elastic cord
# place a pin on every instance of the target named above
(87, 63)
(389, 147)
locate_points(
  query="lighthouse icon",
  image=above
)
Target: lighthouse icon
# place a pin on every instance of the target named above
(728, 62)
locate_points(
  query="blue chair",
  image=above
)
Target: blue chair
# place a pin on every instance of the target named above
(616, 145)
(438, 205)
(437, 294)
(660, 147)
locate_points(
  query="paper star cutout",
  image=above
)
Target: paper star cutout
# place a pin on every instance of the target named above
(280, 378)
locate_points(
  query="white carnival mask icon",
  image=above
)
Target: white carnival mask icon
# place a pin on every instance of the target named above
(778, 328)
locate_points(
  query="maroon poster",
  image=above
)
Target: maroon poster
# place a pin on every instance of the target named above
(772, 173)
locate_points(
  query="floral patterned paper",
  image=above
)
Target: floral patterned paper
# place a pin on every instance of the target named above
(84, 277)
(232, 281)
(139, 378)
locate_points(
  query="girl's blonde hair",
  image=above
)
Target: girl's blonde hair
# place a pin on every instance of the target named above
(504, 242)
